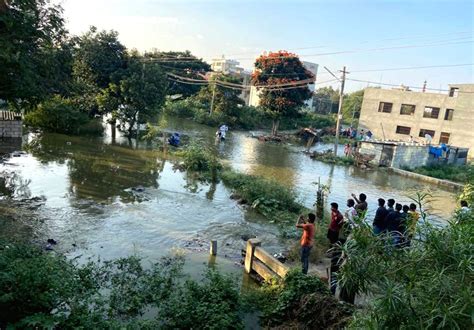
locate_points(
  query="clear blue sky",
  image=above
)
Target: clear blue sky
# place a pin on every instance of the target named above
(243, 29)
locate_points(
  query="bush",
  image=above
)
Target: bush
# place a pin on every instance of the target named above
(201, 161)
(426, 286)
(181, 108)
(303, 302)
(307, 119)
(45, 290)
(328, 157)
(211, 304)
(268, 197)
(59, 115)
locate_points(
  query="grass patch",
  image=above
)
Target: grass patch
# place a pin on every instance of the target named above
(264, 195)
(456, 173)
(328, 157)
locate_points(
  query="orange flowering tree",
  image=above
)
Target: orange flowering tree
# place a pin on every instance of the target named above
(282, 82)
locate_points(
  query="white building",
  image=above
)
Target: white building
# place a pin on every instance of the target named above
(254, 99)
(226, 66)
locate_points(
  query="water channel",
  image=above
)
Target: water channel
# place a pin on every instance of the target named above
(86, 197)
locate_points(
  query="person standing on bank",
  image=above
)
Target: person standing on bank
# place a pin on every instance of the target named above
(307, 239)
(337, 220)
(379, 224)
(361, 205)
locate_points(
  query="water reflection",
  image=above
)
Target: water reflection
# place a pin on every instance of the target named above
(98, 171)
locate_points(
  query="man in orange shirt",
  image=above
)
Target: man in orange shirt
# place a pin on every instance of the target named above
(307, 239)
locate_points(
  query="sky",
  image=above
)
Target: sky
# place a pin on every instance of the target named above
(359, 34)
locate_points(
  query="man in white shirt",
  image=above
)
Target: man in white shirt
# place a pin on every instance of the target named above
(223, 130)
(351, 213)
(464, 207)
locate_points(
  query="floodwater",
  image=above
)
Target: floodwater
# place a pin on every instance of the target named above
(109, 200)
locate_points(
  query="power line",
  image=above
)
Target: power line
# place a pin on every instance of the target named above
(433, 44)
(386, 39)
(394, 85)
(415, 67)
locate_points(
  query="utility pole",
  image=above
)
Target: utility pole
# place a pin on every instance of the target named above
(213, 97)
(339, 110)
(214, 92)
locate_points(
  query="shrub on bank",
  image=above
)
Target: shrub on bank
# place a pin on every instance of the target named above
(45, 290)
(245, 117)
(60, 115)
(426, 286)
(456, 173)
(328, 157)
(264, 195)
(301, 302)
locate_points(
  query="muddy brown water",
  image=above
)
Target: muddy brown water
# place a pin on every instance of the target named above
(109, 200)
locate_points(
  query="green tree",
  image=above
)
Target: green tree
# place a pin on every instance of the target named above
(182, 64)
(142, 90)
(226, 100)
(326, 100)
(352, 105)
(35, 56)
(99, 61)
(281, 68)
(99, 56)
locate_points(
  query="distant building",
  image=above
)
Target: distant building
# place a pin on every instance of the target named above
(254, 98)
(10, 124)
(404, 115)
(231, 67)
(226, 66)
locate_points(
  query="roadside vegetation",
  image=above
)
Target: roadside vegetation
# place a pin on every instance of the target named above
(456, 173)
(428, 285)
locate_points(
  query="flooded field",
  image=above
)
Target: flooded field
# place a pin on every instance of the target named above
(107, 200)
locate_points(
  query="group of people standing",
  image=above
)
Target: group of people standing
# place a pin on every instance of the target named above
(396, 220)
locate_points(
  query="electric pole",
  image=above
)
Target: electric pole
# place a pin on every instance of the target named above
(339, 109)
(213, 96)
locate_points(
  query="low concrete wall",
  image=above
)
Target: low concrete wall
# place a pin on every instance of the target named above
(443, 183)
(10, 128)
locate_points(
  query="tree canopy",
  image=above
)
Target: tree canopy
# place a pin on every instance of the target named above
(275, 69)
(352, 105)
(182, 64)
(34, 54)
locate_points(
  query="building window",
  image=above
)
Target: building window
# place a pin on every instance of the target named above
(407, 109)
(423, 132)
(453, 92)
(431, 112)
(448, 115)
(403, 130)
(385, 107)
(444, 138)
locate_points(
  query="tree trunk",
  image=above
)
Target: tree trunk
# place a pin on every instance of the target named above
(113, 130)
(165, 145)
(276, 123)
